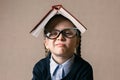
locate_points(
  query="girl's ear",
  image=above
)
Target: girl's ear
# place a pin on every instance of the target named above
(46, 43)
(46, 46)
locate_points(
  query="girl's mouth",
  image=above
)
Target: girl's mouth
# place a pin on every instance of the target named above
(60, 45)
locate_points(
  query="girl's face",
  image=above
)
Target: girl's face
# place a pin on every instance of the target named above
(62, 46)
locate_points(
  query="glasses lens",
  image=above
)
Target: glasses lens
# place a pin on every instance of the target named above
(53, 34)
(70, 33)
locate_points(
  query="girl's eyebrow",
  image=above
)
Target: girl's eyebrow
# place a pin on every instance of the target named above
(65, 29)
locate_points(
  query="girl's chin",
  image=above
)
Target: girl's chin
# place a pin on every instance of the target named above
(61, 50)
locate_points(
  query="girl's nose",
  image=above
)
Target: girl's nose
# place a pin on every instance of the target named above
(61, 37)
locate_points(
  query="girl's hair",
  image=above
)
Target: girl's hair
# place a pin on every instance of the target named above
(78, 49)
(53, 22)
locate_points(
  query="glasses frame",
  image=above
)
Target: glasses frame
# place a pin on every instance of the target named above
(62, 32)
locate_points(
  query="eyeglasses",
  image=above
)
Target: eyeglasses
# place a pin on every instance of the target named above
(69, 33)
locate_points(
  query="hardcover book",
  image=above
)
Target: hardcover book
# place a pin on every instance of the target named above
(57, 9)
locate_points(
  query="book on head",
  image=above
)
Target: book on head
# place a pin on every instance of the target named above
(57, 9)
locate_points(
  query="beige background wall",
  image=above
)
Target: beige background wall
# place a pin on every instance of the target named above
(19, 51)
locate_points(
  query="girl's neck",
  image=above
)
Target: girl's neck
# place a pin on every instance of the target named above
(60, 59)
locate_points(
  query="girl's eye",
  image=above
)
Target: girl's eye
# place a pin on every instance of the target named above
(52, 34)
(68, 32)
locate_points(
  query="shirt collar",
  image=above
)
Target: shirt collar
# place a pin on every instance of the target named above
(53, 65)
(66, 65)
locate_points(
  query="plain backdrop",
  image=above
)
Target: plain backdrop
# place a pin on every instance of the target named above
(19, 50)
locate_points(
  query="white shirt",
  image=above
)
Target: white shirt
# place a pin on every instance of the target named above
(58, 71)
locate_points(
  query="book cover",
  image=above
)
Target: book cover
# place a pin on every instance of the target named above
(57, 9)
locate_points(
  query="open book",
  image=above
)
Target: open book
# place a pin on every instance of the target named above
(57, 9)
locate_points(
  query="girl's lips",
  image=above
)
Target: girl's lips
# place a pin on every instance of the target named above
(60, 45)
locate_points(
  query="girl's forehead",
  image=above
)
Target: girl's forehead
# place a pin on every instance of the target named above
(62, 25)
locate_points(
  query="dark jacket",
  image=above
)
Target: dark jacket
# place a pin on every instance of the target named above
(81, 70)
